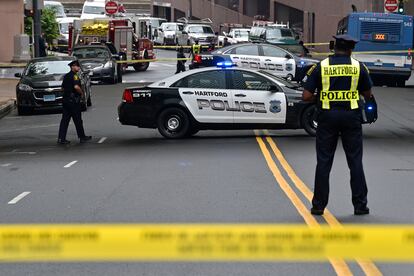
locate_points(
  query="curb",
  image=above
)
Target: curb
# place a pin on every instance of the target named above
(5, 108)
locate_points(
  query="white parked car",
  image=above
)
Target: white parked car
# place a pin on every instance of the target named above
(171, 33)
(93, 9)
(236, 35)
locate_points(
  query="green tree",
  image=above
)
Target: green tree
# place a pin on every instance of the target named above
(50, 27)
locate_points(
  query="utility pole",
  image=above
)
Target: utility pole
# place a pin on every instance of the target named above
(37, 28)
(190, 9)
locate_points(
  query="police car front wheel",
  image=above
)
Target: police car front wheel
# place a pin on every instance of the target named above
(173, 123)
(309, 120)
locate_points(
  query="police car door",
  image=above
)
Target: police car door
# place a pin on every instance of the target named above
(245, 56)
(277, 61)
(253, 101)
(205, 96)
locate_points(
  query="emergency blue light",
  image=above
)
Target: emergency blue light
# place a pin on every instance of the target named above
(225, 64)
(302, 62)
(370, 107)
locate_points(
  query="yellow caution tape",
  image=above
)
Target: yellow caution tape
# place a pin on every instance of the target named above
(202, 242)
(316, 44)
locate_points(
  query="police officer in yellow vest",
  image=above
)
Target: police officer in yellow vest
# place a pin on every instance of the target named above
(195, 50)
(335, 84)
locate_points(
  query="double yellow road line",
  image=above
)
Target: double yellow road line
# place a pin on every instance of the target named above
(265, 142)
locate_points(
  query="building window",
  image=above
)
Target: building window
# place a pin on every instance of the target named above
(287, 14)
(230, 4)
(259, 7)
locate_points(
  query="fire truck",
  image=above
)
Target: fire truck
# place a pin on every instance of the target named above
(120, 32)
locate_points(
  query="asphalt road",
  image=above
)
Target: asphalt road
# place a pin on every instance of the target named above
(131, 175)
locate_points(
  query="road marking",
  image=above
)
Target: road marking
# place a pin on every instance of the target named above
(18, 198)
(366, 265)
(339, 265)
(6, 165)
(102, 140)
(29, 127)
(70, 164)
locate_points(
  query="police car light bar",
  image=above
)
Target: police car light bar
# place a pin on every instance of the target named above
(225, 64)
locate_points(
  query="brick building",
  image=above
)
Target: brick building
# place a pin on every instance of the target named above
(12, 23)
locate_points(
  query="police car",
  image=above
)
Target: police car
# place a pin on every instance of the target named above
(223, 97)
(260, 56)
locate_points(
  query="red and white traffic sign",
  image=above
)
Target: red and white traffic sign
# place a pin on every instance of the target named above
(390, 5)
(111, 7)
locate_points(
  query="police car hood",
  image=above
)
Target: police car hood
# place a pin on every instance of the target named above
(91, 63)
(44, 81)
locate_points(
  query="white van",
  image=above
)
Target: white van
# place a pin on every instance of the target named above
(57, 7)
(93, 9)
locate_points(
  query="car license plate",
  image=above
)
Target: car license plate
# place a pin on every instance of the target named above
(49, 98)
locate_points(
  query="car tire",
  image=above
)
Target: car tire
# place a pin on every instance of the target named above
(308, 120)
(173, 123)
(23, 110)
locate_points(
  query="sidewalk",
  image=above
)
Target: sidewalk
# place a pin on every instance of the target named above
(7, 95)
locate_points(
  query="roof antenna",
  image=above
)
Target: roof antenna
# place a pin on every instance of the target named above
(354, 8)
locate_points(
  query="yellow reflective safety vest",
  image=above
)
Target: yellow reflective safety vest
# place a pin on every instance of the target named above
(196, 49)
(328, 71)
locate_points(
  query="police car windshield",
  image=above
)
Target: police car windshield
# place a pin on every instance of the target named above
(281, 80)
(277, 33)
(200, 29)
(91, 52)
(44, 68)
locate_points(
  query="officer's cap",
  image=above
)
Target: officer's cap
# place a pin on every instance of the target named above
(345, 41)
(74, 63)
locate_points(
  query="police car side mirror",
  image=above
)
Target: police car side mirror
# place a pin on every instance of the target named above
(288, 56)
(184, 33)
(18, 75)
(331, 45)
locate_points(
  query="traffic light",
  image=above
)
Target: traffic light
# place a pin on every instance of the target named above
(401, 6)
(28, 13)
(28, 8)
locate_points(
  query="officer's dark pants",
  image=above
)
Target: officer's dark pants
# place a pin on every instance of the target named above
(71, 110)
(347, 124)
(180, 67)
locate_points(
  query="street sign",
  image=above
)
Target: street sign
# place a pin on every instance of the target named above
(390, 6)
(111, 7)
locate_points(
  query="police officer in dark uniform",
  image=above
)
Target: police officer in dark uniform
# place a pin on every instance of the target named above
(180, 60)
(72, 94)
(335, 84)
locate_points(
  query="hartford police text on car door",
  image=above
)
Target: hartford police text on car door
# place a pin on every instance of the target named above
(207, 105)
(258, 104)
